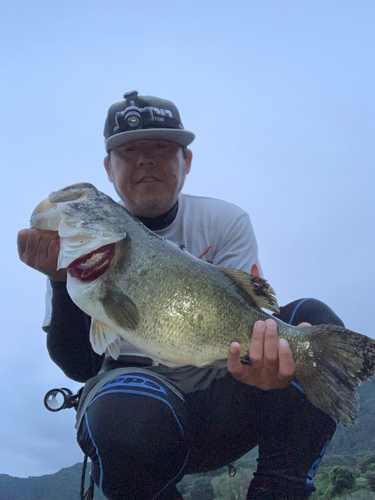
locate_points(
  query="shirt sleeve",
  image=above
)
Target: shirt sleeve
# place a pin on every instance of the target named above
(238, 248)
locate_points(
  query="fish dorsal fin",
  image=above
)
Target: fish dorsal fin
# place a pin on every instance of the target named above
(257, 291)
(101, 336)
(119, 307)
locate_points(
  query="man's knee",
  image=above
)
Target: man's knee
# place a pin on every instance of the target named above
(308, 310)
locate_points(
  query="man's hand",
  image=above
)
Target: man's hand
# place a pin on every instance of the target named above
(39, 249)
(273, 365)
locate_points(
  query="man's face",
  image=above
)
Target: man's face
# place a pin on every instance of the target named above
(148, 175)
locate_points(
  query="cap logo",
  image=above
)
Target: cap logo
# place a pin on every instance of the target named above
(159, 111)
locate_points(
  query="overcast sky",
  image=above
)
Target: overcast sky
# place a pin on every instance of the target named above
(280, 95)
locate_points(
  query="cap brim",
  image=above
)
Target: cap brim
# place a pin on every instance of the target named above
(182, 137)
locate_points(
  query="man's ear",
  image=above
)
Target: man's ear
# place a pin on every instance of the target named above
(107, 165)
(188, 160)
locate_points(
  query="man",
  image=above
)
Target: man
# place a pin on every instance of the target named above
(146, 425)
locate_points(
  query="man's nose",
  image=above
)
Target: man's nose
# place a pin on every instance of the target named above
(146, 158)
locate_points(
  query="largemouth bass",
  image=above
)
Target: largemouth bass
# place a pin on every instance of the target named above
(180, 310)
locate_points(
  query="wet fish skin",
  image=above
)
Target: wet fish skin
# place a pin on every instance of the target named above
(182, 311)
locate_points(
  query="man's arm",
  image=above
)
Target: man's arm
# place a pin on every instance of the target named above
(68, 332)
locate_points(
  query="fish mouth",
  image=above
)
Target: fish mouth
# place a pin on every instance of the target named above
(92, 265)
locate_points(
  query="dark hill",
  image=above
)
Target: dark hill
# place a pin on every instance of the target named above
(63, 485)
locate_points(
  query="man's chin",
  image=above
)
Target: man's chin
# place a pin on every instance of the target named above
(153, 207)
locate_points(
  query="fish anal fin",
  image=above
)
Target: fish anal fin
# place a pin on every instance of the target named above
(119, 308)
(257, 291)
(101, 336)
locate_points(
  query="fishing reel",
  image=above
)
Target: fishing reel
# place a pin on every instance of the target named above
(60, 399)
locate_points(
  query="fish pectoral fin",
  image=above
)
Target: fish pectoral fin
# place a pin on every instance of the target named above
(101, 337)
(256, 291)
(119, 307)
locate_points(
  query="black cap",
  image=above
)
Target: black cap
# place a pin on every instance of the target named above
(144, 117)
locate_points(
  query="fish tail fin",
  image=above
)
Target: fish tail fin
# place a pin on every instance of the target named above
(335, 362)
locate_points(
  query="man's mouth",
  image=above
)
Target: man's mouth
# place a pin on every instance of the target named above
(147, 179)
(93, 265)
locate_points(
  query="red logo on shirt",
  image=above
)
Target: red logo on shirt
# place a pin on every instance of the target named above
(205, 253)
